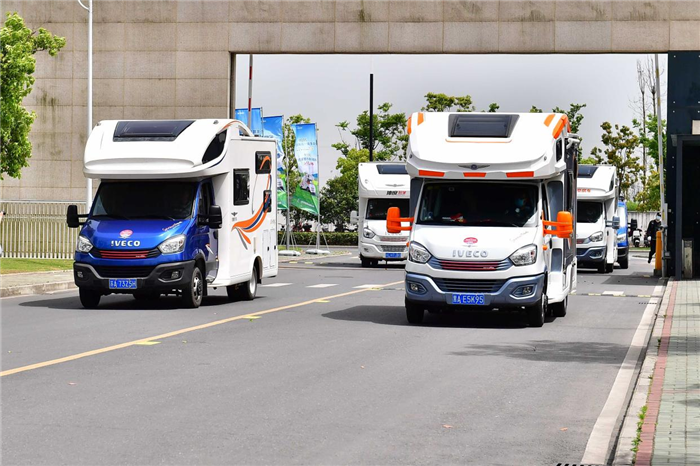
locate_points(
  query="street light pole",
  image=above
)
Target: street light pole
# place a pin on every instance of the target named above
(88, 197)
(660, 140)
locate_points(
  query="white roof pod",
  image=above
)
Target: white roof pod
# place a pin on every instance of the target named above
(597, 182)
(160, 148)
(486, 145)
(383, 179)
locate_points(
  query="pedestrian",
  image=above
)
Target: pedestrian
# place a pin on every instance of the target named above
(654, 226)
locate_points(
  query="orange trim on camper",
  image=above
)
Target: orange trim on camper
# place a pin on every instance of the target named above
(430, 173)
(520, 174)
(474, 174)
(560, 126)
(408, 125)
(420, 117)
(549, 119)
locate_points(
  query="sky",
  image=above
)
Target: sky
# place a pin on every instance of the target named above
(333, 88)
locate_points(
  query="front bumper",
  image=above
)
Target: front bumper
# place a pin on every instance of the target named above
(380, 251)
(500, 296)
(622, 252)
(591, 257)
(154, 280)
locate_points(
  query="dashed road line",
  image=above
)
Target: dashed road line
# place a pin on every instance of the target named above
(275, 285)
(368, 287)
(323, 285)
(613, 293)
(618, 294)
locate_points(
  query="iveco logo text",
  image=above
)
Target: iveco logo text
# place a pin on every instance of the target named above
(474, 253)
(126, 243)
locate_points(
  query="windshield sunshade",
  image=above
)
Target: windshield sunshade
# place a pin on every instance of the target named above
(377, 208)
(479, 204)
(589, 212)
(481, 126)
(150, 130)
(170, 200)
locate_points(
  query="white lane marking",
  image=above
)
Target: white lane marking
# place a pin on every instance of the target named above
(366, 286)
(275, 285)
(322, 285)
(601, 436)
(613, 293)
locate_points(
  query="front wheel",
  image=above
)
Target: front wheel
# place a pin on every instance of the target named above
(90, 299)
(192, 295)
(365, 262)
(609, 268)
(414, 313)
(559, 309)
(537, 313)
(624, 262)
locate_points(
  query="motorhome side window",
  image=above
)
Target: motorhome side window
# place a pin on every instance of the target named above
(263, 162)
(241, 187)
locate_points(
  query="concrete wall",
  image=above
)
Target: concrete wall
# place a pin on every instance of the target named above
(170, 58)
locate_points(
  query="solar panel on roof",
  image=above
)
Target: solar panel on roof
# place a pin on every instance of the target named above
(163, 130)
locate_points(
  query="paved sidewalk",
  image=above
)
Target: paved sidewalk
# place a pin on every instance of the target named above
(14, 284)
(670, 433)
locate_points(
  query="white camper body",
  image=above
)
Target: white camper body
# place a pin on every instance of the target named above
(597, 221)
(381, 185)
(482, 187)
(222, 164)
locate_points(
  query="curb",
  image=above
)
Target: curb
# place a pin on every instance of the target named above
(38, 288)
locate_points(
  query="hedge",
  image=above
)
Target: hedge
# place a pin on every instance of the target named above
(305, 238)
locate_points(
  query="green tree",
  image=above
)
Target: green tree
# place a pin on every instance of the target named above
(340, 195)
(574, 114)
(534, 109)
(445, 103)
(649, 198)
(18, 45)
(493, 107)
(390, 138)
(620, 144)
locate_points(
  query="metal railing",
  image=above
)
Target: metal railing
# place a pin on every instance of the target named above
(37, 229)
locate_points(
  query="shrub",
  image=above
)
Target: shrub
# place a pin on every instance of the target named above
(304, 238)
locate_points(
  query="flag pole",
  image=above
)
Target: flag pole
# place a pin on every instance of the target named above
(318, 195)
(250, 92)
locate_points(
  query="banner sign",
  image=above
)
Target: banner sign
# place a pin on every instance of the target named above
(273, 128)
(256, 127)
(306, 153)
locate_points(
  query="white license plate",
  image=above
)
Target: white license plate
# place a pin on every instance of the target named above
(122, 283)
(392, 255)
(468, 299)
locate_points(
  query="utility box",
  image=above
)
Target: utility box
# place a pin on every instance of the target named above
(688, 258)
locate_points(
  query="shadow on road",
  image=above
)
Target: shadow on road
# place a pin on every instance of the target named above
(357, 265)
(585, 352)
(126, 303)
(396, 315)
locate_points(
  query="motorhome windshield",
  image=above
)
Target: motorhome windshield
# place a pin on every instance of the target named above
(479, 204)
(145, 200)
(589, 212)
(377, 208)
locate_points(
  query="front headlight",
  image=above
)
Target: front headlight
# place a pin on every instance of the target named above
(172, 245)
(367, 233)
(524, 256)
(418, 253)
(83, 245)
(621, 237)
(595, 237)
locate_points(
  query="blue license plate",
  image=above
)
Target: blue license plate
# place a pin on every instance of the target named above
(392, 255)
(122, 283)
(469, 299)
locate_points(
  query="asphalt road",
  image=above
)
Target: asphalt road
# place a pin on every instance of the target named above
(325, 374)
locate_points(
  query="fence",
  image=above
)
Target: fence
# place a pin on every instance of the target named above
(37, 229)
(643, 218)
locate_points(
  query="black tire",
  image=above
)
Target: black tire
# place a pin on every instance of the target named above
(365, 262)
(414, 313)
(249, 289)
(232, 292)
(609, 268)
(536, 314)
(559, 309)
(192, 295)
(601, 268)
(90, 299)
(624, 262)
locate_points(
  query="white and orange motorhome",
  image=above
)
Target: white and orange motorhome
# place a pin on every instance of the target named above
(493, 198)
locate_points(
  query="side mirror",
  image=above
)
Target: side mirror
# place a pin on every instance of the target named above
(215, 217)
(614, 223)
(72, 217)
(633, 224)
(394, 220)
(354, 218)
(564, 225)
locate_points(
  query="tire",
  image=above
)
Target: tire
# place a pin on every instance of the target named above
(609, 268)
(192, 295)
(90, 299)
(248, 290)
(559, 309)
(365, 262)
(601, 268)
(414, 313)
(537, 313)
(624, 262)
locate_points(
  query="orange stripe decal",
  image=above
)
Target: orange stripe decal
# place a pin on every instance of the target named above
(266, 159)
(408, 124)
(474, 174)
(560, 126)
(420, 117)
(520, 174)
(430, 173)
(549, 119)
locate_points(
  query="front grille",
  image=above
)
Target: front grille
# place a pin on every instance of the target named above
(394, 239)
(392, 248)
(468, 286)
(124, 272)
(125, 254)
(470, 266)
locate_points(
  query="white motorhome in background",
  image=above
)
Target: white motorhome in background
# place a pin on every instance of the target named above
(182, 205)
(485, 189)
(597, 221)
(381, 185)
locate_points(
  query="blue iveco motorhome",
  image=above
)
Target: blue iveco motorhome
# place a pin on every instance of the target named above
(182, 206)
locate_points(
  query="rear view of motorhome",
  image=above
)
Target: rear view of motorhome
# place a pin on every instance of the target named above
(492, 202)
(182, 206)
(381, 185)
(597, 222)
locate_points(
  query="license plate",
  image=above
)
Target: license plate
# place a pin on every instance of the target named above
(469, 299)
(122, 283)
(392, 255)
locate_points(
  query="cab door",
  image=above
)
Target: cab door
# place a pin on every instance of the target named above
(207, 239)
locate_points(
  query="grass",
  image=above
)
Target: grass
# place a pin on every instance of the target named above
(34, 265)
(638, 439)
